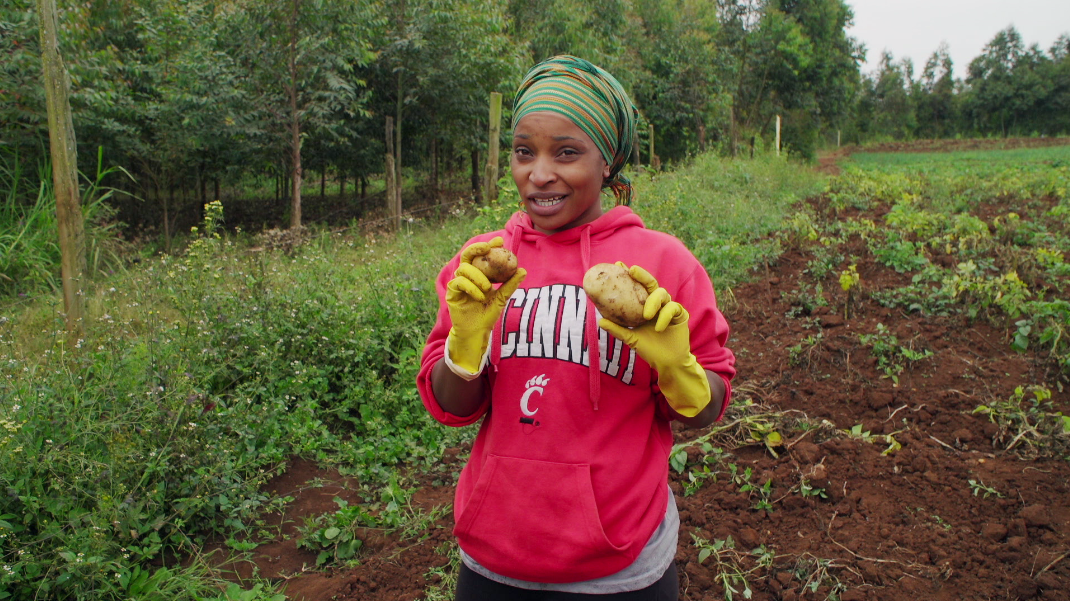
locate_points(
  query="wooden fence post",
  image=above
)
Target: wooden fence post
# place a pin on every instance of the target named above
(490, 178)
(64, 153)
(778, 135)
(654, 162)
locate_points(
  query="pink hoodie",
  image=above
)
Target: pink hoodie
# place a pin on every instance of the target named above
(566, 481)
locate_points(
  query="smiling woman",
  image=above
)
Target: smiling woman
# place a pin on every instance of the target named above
(565, 494)
(558, 172)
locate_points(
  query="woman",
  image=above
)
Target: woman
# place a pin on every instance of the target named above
(566, 492)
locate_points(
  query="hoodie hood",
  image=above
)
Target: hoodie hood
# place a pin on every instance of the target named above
(520, 233)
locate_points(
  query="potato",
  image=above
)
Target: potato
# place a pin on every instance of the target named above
(498, 265)
(618, 297)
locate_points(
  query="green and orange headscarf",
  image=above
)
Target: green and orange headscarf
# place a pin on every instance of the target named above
(592, 99)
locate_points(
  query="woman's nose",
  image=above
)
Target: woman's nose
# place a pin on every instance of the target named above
(542, 172)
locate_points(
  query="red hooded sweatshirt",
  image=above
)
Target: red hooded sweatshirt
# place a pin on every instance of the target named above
(566, 481)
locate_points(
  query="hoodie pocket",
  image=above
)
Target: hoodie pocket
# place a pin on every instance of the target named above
(536, 520)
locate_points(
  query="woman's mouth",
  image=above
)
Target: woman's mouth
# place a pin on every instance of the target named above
(547, 202)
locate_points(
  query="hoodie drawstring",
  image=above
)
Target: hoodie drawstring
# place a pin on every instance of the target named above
(590, 325)
(513, 239)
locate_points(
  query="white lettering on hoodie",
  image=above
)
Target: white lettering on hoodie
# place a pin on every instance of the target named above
(548, 323)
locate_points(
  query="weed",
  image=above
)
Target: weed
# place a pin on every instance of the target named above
(857, 432)
(1026, 418)
(942, 523)
(804, 299)
(885, 347)
(726, 564)
(806, 347)
(978, 487)
(444, 576)
(699, 474)
(814, 573)
(806, 490)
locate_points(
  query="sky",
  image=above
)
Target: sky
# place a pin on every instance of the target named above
(915, 28)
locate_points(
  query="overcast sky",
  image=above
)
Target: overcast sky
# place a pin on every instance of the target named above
(915, 28)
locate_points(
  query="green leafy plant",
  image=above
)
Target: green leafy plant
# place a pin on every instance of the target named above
(980, 488)
(849, 282)
(1027, 421)
(806, 490)
(726, 565)
(858, 432)
(805, 348)
(892, 358)
(700, 473)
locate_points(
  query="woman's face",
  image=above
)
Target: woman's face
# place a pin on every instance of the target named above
(558, 171)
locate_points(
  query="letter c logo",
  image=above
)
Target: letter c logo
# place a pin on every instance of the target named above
(524, 401)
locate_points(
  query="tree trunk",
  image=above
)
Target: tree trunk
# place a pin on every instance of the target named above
(295, 122)
(166, 217)
(363, 187)
(204, 187)
(215, 186)
(434, 168)
(493, 135)
(342, 185)
(391, 174)
(64, 151)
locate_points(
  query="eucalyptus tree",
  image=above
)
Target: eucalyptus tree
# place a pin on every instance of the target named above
(678, 88)
(935, 101)
(437, 62)
(297, 61)
(596, 30)
(993, 93)
(791, 55)
(23, 124)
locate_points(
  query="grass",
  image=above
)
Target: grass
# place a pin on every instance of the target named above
(202, 373)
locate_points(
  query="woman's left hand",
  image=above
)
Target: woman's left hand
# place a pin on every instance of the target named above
(664, 342)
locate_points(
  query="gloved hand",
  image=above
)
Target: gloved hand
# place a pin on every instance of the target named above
(474, 308)
(664, 342)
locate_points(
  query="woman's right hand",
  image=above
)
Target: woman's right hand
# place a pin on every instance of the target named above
(474, 307)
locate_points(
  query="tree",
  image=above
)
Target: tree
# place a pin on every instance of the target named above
(300, 56)
(991, 79)
(793, 55)
(678, 86)
(935, 96)
(895, 114)
(64, 153)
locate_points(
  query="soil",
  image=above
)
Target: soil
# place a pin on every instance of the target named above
(900, 526)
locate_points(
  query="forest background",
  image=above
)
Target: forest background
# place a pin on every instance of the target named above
(217, 99)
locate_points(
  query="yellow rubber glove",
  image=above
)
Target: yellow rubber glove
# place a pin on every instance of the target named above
(474, 308)
(664, 342)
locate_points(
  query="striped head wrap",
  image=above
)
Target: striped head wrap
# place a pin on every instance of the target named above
(592, 99)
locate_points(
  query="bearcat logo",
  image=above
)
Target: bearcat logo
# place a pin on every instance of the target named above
(534, 385)
(548, 323)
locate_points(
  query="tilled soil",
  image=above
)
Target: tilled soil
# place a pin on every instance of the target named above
(896, 526)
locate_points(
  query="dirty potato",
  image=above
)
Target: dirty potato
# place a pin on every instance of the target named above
(498, 265)
(618, 297)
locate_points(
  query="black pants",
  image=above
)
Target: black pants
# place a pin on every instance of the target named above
(474, 587)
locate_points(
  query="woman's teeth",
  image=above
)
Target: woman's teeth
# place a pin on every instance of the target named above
(548, 202)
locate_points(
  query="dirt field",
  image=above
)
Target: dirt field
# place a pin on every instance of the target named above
(900, 526)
